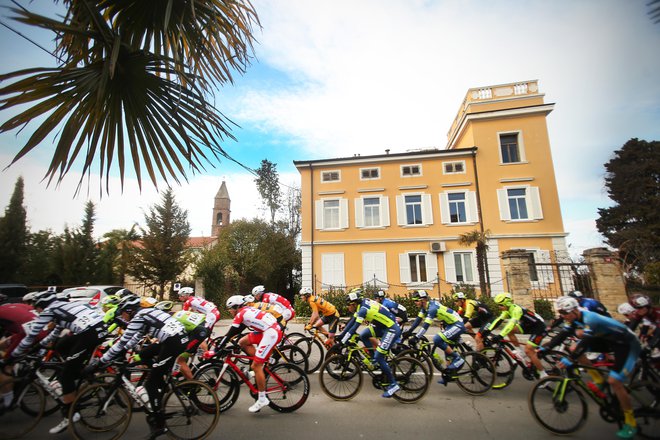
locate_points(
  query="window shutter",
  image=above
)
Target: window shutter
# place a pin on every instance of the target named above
(546, 275)
(432, 268)
(373, 264)
(359, 213)
(450, 269)
(343, 213)
(400, 211)
(504, 204)
(384, 211)
(404, 268)
(472, 208)
(444, 208)
(535, 203)
(319, 214)
(427, 209)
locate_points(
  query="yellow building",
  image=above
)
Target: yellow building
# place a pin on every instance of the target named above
(393, 220)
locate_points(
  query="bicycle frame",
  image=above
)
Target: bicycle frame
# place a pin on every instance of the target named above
(229, 361)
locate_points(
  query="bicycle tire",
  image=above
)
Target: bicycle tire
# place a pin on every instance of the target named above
(477, 375)
(505, 369)
(314, 352)
(413, 378)
(291, 338)
(191, 410)
(226, 388)
(15, 421)
(645, 398)
(557, 413)
(422, 356)
(291, 354)
(105, 412)
(287, 387)
(340, 377)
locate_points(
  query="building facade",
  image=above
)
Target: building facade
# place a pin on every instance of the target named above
(394, 220)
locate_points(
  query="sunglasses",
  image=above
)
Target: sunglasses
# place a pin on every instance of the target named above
(564, 312)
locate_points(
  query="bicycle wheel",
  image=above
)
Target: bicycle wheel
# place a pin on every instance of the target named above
(105, 412)
(645, 397)
(550, 359)
(412, 377)
(291, 354)
(26, 408)
(477, 375)
(287, 387)
(226, 387)
(191, 410)
(557, 405)
(340, 378)
(421, 356)
(314, 352)
(505, 369)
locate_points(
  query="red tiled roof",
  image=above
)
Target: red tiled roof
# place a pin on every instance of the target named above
(198, 242)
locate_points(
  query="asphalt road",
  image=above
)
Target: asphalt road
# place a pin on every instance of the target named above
(445, 413)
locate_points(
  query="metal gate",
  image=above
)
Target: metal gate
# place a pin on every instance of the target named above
(552, 280)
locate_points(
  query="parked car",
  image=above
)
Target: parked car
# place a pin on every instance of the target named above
(14, 292)
(90, 294)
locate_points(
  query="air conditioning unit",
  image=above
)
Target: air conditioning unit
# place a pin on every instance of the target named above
(438, 246)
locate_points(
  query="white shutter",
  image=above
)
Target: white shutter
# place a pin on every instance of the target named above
(404, 268)
(432, 268)
(472, 208)
(427, 209)
(444, 208)
(343, 213)
(384, 211)
(373, 264)
(359, 213)
(332, 269)
(319, 214)
(400, 211)
(546, 275)
(504, 204)
(535, 203)
(450, 269)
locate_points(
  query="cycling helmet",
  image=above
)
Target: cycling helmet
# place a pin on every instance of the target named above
(419, 295)
(121, 293)
(625, 309)
(355, 295)
(576, 294)
(380, 294)
(186, 291)
(235, 301)
(306, 291)
(258, 290)
(109, 301)
(458, 295)
(249, 298)
(129, 304)
(147, 301)
(640, 301)
(165, 306)
(566, 304)
(29, 297)
(44, 299)
(503, 299)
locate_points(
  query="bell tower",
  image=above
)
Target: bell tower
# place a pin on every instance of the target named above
(221, 210)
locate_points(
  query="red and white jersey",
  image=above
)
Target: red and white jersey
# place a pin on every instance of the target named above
(280, 302)
(255, 319)
(207, 308)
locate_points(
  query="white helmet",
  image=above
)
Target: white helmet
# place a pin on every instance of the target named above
(625, 308)
(249, 298)
(258, 290)
(306, 291)
(29, 297)
(459, 295)
(566, 304)
(235, 301)
(576, 294)
(186, 291)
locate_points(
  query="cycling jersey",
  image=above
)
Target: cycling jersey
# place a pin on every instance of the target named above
(321, 306)
(200, 305)
(518, 318)
(396, 309)
(369, 311)
(593, 306)
(281, 302)
(473, 309)
(15, 319)
(190, 320)
(266, 330)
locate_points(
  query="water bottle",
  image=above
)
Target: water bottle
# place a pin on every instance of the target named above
(144, 396)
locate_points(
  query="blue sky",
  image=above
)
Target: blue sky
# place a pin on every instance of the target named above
(335, 78)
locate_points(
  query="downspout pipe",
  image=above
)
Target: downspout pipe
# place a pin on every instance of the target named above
(481, 218)
(313, 222)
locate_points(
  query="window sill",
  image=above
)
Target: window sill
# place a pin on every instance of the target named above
(332, 229)
(531, 220)
(524, 162)
(371, 227)
(460, 224)
(414, 226)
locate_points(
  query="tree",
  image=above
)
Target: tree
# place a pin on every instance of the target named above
(133, 79)
(116, 252)
(268, 184)
(13, 236)
(632, 224)
(162, 256)
(38, 269)
(480, 240)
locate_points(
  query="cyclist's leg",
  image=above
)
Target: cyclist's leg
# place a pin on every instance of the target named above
(333, 322)
(446, 338)
(390, 335)
(533, 343)
(266, 341)
(625, 357)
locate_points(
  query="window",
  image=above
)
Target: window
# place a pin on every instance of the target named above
(521, 203)
(418, 267)
(330, 176)
(454, 167)
(457, 207)
(369, 173)
(371, 211)
(463, 266)
(533, 274)
(374, 267)
(413, 209)
(517, 203)
(332, 269)
(509, 148)
(411, 170)
(331, 214)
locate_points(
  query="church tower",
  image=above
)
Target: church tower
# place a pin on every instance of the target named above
(221, 210)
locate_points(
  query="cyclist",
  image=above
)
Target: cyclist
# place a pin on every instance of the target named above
(86, 327)
(518, 320)
(398, 310)
(286, 309)
(589, 303)
(384, 327)
(266, 334)
(602, 334)
(159, 356)
(475, 314)
(199, 305)
(266, 307)
(454, 328)
(627, 311)
(195, 325)
(647, 318)
(323, 313)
